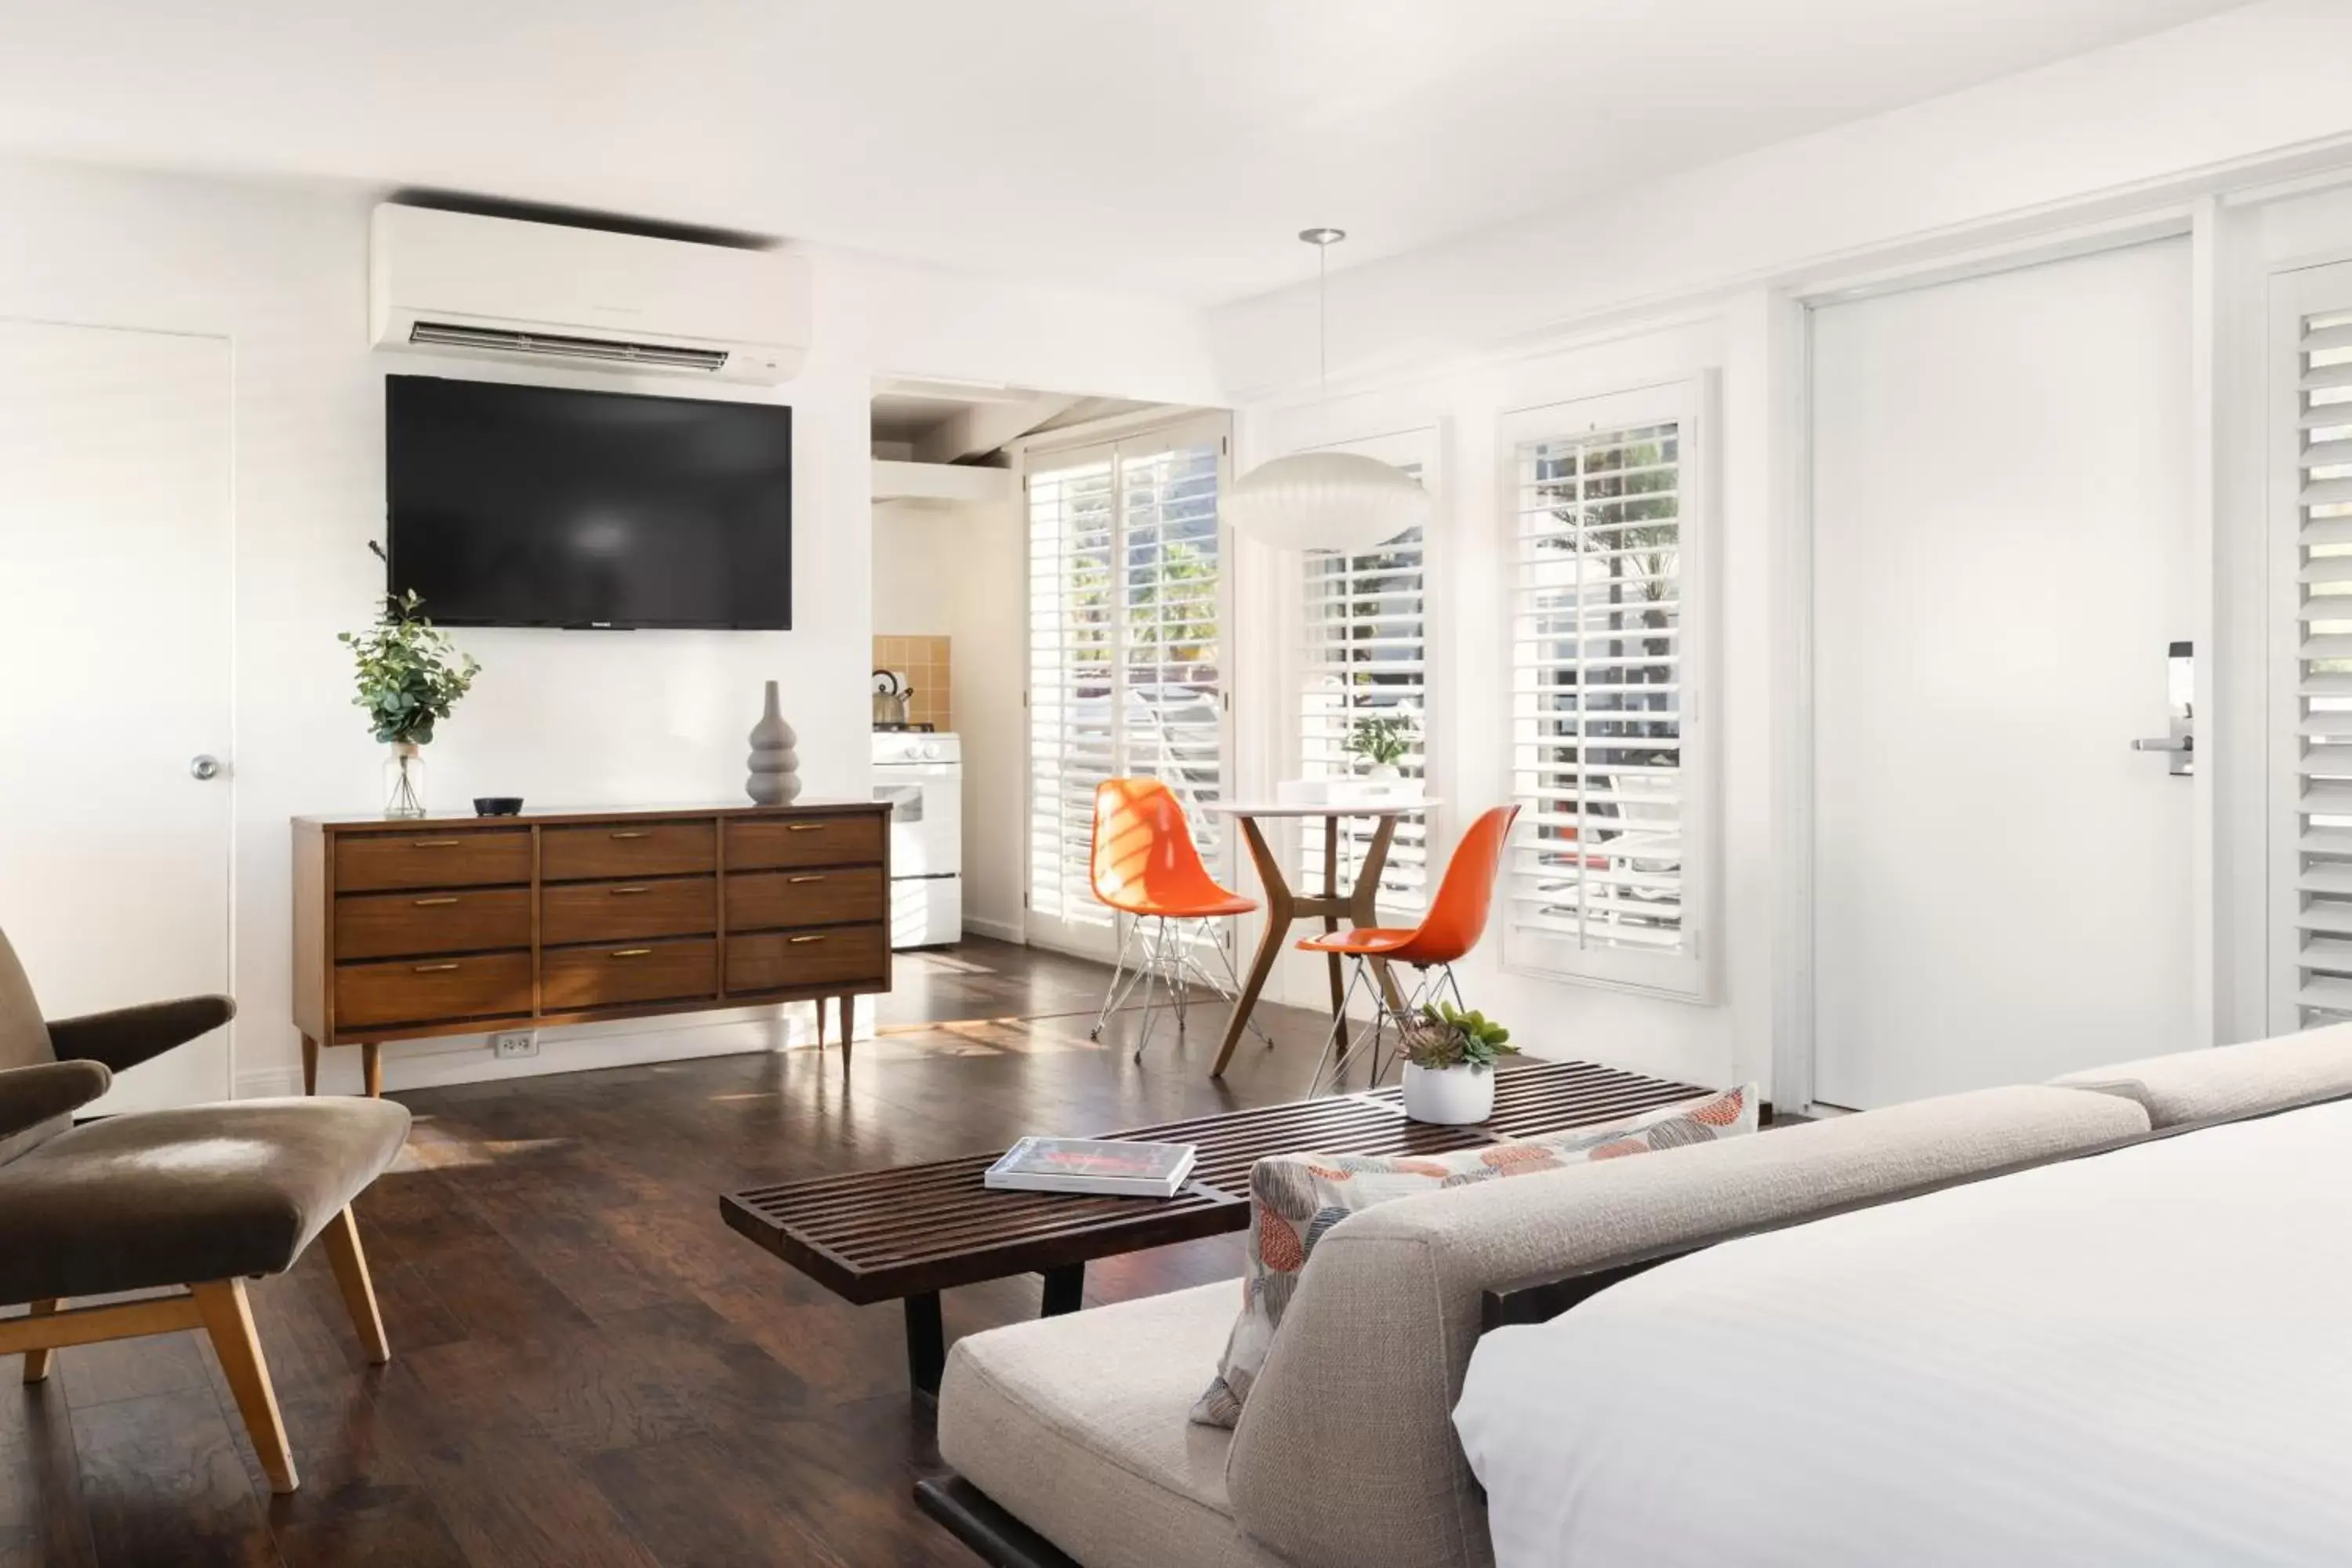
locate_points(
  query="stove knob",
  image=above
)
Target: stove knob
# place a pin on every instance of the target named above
(931, 750)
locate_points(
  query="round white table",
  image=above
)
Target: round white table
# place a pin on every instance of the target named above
(1284, 907)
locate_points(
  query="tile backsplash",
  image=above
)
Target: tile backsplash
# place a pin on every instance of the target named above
(924, 665)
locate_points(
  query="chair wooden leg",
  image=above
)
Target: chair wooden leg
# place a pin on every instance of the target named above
(371, 1059)
(36, 1362)
(228, 1319)
(310, 1065)
(358, 1287)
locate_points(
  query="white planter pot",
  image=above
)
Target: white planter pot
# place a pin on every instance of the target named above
(1385, 773)
(1452, 1095)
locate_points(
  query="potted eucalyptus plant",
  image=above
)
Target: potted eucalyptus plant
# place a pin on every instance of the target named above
(1449, 1064)
(1383, 740)
(409, 676)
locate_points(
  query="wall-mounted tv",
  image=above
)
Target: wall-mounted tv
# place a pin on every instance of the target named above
(538, 506)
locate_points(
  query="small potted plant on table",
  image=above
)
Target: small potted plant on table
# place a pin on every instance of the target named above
(409, 676)
(1383, 740)
(1449, 1064)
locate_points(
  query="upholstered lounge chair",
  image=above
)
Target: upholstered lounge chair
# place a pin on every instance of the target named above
(201, 1198)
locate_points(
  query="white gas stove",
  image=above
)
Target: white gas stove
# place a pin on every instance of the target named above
(921, 775)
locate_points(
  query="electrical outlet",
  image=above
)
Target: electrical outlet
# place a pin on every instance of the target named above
(511, 1044)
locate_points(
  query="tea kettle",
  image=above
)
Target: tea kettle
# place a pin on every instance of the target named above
(890, 698)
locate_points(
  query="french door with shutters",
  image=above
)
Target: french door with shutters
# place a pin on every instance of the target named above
(116, 555)
(2004, 557)
(1127, 653)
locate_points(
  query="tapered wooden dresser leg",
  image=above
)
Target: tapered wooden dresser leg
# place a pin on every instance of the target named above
(310, 1065)
(371, 1059)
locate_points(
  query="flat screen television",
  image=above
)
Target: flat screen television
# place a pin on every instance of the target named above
(538, 506)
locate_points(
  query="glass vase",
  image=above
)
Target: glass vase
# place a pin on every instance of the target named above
(403, 780)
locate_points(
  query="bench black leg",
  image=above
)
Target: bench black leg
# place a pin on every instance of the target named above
(1063, 1287)
(926, 1346)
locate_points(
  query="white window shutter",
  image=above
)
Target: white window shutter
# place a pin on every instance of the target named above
(1610, 861)
(2322, 486)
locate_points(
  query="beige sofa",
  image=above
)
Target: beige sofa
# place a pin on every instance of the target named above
(1345, 1457)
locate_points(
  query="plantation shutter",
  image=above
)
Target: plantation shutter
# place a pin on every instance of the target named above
(1606, 859)
(2321, 484)
(1126, 677)
(1365, 654)
(1071, 628)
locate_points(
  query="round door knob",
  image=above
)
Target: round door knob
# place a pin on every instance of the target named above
(203, 765)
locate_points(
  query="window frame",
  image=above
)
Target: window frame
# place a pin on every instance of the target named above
(1424, 446)
(1690, 972)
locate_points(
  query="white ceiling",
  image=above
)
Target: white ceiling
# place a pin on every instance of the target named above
(1173, 146)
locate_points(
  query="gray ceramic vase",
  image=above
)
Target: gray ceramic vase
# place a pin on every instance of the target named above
(774, 778)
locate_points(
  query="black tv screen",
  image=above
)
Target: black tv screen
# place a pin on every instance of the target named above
(536, 506)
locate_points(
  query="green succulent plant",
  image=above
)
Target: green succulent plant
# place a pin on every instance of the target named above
(1443, 1037)
(409, 674)
(1381, 739)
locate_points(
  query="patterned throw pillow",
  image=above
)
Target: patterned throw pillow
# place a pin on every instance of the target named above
(1296, 1199)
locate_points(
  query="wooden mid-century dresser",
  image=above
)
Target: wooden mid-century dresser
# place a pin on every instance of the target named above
(466, 924)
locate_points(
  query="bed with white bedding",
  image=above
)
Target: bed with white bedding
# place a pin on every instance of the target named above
(2139, 1358)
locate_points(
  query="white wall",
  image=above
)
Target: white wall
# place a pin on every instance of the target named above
(1701, 272)
(570, 718)
(961, 572)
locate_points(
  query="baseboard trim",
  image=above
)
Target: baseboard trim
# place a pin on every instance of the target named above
(467, 1058)
(1000, 930)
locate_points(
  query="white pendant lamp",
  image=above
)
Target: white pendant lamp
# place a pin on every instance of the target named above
(1343, 501)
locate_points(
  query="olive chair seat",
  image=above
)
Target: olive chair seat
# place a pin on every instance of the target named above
(213, 1192)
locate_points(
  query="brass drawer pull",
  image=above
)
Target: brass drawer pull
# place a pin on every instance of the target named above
(429, 903)
(806, 826)
(632, 832)
(817, 879)
(632, 952)
(625, 892)
(434, 843)
(433, 968)
(798, 940)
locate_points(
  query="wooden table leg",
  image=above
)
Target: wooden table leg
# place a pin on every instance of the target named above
(1279, 905)
(310, 1065)
(927, 1344)
(371, 1061)
(1364, 903)
(1064, 1289)
(1331, 923)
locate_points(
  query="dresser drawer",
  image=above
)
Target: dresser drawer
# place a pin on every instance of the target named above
(625, 849)
(367, 862)
(423, 990)
(576, 978)
(764, 900)
(841, 956)
(617, 912)
(392, 925)
(761, 844)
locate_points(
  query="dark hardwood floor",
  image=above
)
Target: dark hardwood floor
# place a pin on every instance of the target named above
(588, 1367)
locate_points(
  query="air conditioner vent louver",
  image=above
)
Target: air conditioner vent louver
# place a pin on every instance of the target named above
(441, 334)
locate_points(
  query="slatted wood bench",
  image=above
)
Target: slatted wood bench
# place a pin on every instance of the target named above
(907, 1233)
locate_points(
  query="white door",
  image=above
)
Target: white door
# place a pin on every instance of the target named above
(115, 560)
(2002, 553)
(1127, 650)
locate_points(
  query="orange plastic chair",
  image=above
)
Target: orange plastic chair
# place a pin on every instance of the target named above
(1455, 923)
(1145, 865)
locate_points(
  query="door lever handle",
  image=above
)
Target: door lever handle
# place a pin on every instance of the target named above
(2166, 743)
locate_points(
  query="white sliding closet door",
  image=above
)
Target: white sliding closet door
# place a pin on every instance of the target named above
(1127, 671)
(115, 559)
(2002, 887)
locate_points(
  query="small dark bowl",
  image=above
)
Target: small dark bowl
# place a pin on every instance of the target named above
(498, 806)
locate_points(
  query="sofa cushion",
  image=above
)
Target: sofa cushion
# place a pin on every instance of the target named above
(173, 1197)
(1345, 1456)
(1076, 1425)
(2230, 1080)
(1296, 1199)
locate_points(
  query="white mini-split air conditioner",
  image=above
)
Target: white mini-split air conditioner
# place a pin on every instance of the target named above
(445, 282)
